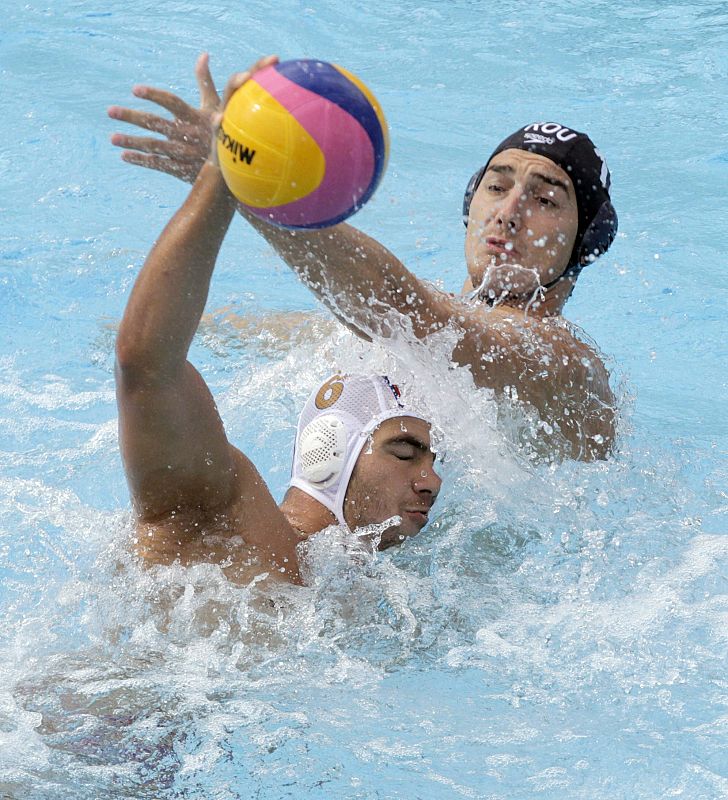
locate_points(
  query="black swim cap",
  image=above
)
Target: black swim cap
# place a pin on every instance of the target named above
(576, 154)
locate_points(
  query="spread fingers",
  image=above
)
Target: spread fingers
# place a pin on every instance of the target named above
(147, 144)
(175, 105)
(142, 119)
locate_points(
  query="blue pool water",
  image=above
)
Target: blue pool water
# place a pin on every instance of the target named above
(558, 631)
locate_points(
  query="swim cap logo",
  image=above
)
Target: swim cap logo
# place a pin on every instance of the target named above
(395, 390)
(329, 393)
(550, 129)
(536, 138)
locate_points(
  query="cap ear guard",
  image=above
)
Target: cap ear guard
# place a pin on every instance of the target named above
(322, 450)
(472, 188)
(600, 234)
(596, 240)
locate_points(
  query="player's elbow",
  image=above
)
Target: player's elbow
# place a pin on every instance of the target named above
(599, 440)
(131, 355)
(135, 363)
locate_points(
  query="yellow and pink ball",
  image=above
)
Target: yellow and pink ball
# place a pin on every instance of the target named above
(303, 144)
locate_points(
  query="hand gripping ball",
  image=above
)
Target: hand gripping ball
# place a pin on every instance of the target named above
(303, 144)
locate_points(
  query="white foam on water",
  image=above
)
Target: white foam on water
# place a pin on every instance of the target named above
(533, 576)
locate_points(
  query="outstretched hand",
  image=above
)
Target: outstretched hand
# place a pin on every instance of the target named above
(190, 136)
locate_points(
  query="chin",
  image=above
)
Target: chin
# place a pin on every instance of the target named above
(396, 536)
(391, 540)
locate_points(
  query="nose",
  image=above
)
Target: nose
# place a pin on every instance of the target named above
(508, 210)
(427, 482)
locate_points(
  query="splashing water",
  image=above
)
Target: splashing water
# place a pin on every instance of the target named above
(555, 588)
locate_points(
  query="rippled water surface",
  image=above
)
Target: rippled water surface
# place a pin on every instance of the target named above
(558, 631)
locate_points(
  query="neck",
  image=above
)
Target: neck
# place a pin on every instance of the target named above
(548, 303)
(305, 514)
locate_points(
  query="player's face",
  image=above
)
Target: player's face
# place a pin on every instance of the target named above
(524, 214)
(394, 475)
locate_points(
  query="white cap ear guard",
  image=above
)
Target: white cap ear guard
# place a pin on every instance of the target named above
(322, 450)
(336, 421)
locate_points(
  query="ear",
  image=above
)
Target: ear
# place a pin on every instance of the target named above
(599, 235)
(471, 189)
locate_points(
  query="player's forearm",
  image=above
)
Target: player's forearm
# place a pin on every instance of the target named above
(354, 275)
(170, 293)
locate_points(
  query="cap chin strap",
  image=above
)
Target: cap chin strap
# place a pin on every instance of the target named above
(478, 294)
(567, 273)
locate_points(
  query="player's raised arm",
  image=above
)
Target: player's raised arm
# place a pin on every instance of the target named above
(337, 262)
(173, 444)
(185, 478)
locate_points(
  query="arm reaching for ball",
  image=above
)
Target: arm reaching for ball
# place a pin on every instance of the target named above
(192, 491)
(340, 264)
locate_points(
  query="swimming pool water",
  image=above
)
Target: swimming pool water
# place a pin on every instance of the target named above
(558, 631)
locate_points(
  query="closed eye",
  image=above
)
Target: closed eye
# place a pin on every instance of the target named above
(407, 448)
(404, 452)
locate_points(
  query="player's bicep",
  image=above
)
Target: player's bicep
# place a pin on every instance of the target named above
(259, 519)
(173, 444)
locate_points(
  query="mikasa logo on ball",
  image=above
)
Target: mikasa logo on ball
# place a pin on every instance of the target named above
(238, 149)
(551, 129)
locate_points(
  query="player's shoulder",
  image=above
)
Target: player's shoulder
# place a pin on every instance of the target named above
(579, 357)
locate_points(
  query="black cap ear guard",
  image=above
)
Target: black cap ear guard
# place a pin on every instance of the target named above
(597, 238)
(472, 187)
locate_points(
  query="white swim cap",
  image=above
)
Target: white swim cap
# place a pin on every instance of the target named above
(333, 427)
